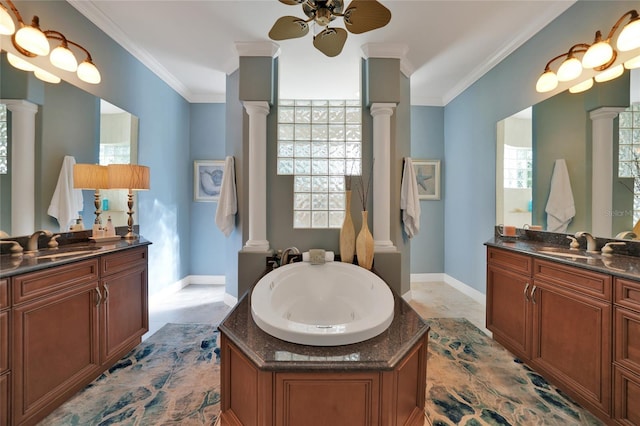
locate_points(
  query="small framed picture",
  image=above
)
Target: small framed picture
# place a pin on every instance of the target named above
(207, 179)
(428, 178)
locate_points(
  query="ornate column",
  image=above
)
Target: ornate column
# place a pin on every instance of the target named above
(258, 111)
(22, 167)
(381, 113)
(602, 170)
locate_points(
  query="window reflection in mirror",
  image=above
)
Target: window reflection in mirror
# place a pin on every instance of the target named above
(118, 145)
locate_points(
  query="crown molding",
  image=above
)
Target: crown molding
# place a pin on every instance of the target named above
(389, 50)
(257, 48)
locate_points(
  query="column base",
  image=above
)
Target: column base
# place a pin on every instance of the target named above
(256, 245)
(383, 246)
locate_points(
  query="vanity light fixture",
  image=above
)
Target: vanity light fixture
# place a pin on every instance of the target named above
(91, 176)
(31, 41)
(599, 56)
(132, 177)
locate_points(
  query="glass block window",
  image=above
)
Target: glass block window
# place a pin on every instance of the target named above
(115, 153)
(518, 167)
(4, 141)
(629, 151)
(319, 142)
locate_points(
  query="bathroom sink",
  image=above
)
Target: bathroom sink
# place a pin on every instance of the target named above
(55, 254)
(564, 254)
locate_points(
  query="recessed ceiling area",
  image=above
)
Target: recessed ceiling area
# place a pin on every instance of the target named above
(447, 45)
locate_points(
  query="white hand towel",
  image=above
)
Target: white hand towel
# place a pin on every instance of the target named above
(409, 201)
(560, 206)
(228, 202)
(66, 201)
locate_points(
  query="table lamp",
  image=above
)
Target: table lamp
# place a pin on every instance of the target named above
(91, 176)
(132, 177)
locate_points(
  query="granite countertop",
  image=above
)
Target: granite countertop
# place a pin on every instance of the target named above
(15, 264)
(382, 352)
(620, 265)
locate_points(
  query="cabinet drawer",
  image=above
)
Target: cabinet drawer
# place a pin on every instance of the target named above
(117, 262)
(626, 409)
(4, 341)
(514, 261)
(627, 338)
(4, 293)
(42, 283)
(627, 293)
(586, 282)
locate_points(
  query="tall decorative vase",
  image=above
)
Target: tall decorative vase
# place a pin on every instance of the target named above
(347, 233)
(364, 244)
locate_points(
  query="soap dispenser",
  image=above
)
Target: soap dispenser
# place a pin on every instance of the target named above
(110, 231)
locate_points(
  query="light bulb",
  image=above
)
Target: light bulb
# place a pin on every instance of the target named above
(7, 27)
(582, 87)
(63, 58)
(88, 72)
(19, 63)
(610, 74)
(33, 40)
(547, 82)
(632, 63)
(598, 54)
(629, 38)
(46, 76)
(570, 69)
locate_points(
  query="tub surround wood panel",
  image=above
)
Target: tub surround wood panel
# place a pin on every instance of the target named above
(67, 322)
(267, 381)
(575, 320)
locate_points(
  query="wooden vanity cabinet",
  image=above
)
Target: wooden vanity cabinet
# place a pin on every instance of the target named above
(626, 366)
(508, 308)
(4, 351)
(70, 323)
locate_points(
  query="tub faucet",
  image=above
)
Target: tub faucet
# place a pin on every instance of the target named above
(32, 244)
(284, 259)
(591, 242)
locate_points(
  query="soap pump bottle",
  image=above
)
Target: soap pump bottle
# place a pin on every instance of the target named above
(110, 231)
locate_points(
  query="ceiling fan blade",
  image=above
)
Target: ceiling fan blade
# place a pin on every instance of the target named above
(292, 2)
(330, 41)
(288, 27)
(366, 15)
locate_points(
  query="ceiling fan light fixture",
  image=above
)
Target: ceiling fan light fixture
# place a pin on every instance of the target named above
(610, 74)
(32, 39)
(570, 69)
(629, 38)
(547, 82)
(582, 87)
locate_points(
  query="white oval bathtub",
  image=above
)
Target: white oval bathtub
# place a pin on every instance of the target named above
(322, 305)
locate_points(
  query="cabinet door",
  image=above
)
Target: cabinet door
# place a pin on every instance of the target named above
(571, 342)
(125, 311)
(508, 309)
(55, 349)
(4, 399)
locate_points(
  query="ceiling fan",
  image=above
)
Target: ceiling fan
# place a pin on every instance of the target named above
(359, 17)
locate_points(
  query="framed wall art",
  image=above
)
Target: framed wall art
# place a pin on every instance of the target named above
(428, 178)
(207, 179)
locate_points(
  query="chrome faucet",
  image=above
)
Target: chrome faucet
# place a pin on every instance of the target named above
(591, 242)
(32, 244)
(626, 235)
(284, 259)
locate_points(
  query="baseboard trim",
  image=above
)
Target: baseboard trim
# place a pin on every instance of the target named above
(230, 300)
(206, 279)
(449, 280)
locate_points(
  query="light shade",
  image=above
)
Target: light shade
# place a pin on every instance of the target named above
(610, 74)
(32, 39)
(598, 54)
(581, 87)
(7, 27)
(629, 38)
(128, 176)
(19, 63)
(90, 176)
(46, 76)
(570, 69)
(61, 57)
(632, 63)
(547, 82)
(88, 72)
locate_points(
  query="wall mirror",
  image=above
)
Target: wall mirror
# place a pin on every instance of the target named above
(604, 184)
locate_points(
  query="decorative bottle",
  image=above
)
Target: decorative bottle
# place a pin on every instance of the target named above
(347, 233)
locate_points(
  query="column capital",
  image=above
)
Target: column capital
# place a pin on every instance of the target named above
(605, 113)
(380, 108)
(14, 105)
(256, 107)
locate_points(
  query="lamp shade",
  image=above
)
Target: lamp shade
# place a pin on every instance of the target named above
(7, 27)
(46, 76)
(570, 69)
(547, 82)
(610, 74)
(88, 72)
(128, 176)
(632, 63)
(598, 54)
(19, 63)
(63, 58)
(629, 38)
(90, 176)
(581, 87)
(32, 39)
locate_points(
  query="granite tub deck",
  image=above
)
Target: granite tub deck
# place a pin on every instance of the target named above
(379, 381)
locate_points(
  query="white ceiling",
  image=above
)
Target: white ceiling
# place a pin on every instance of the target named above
(447, 45)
